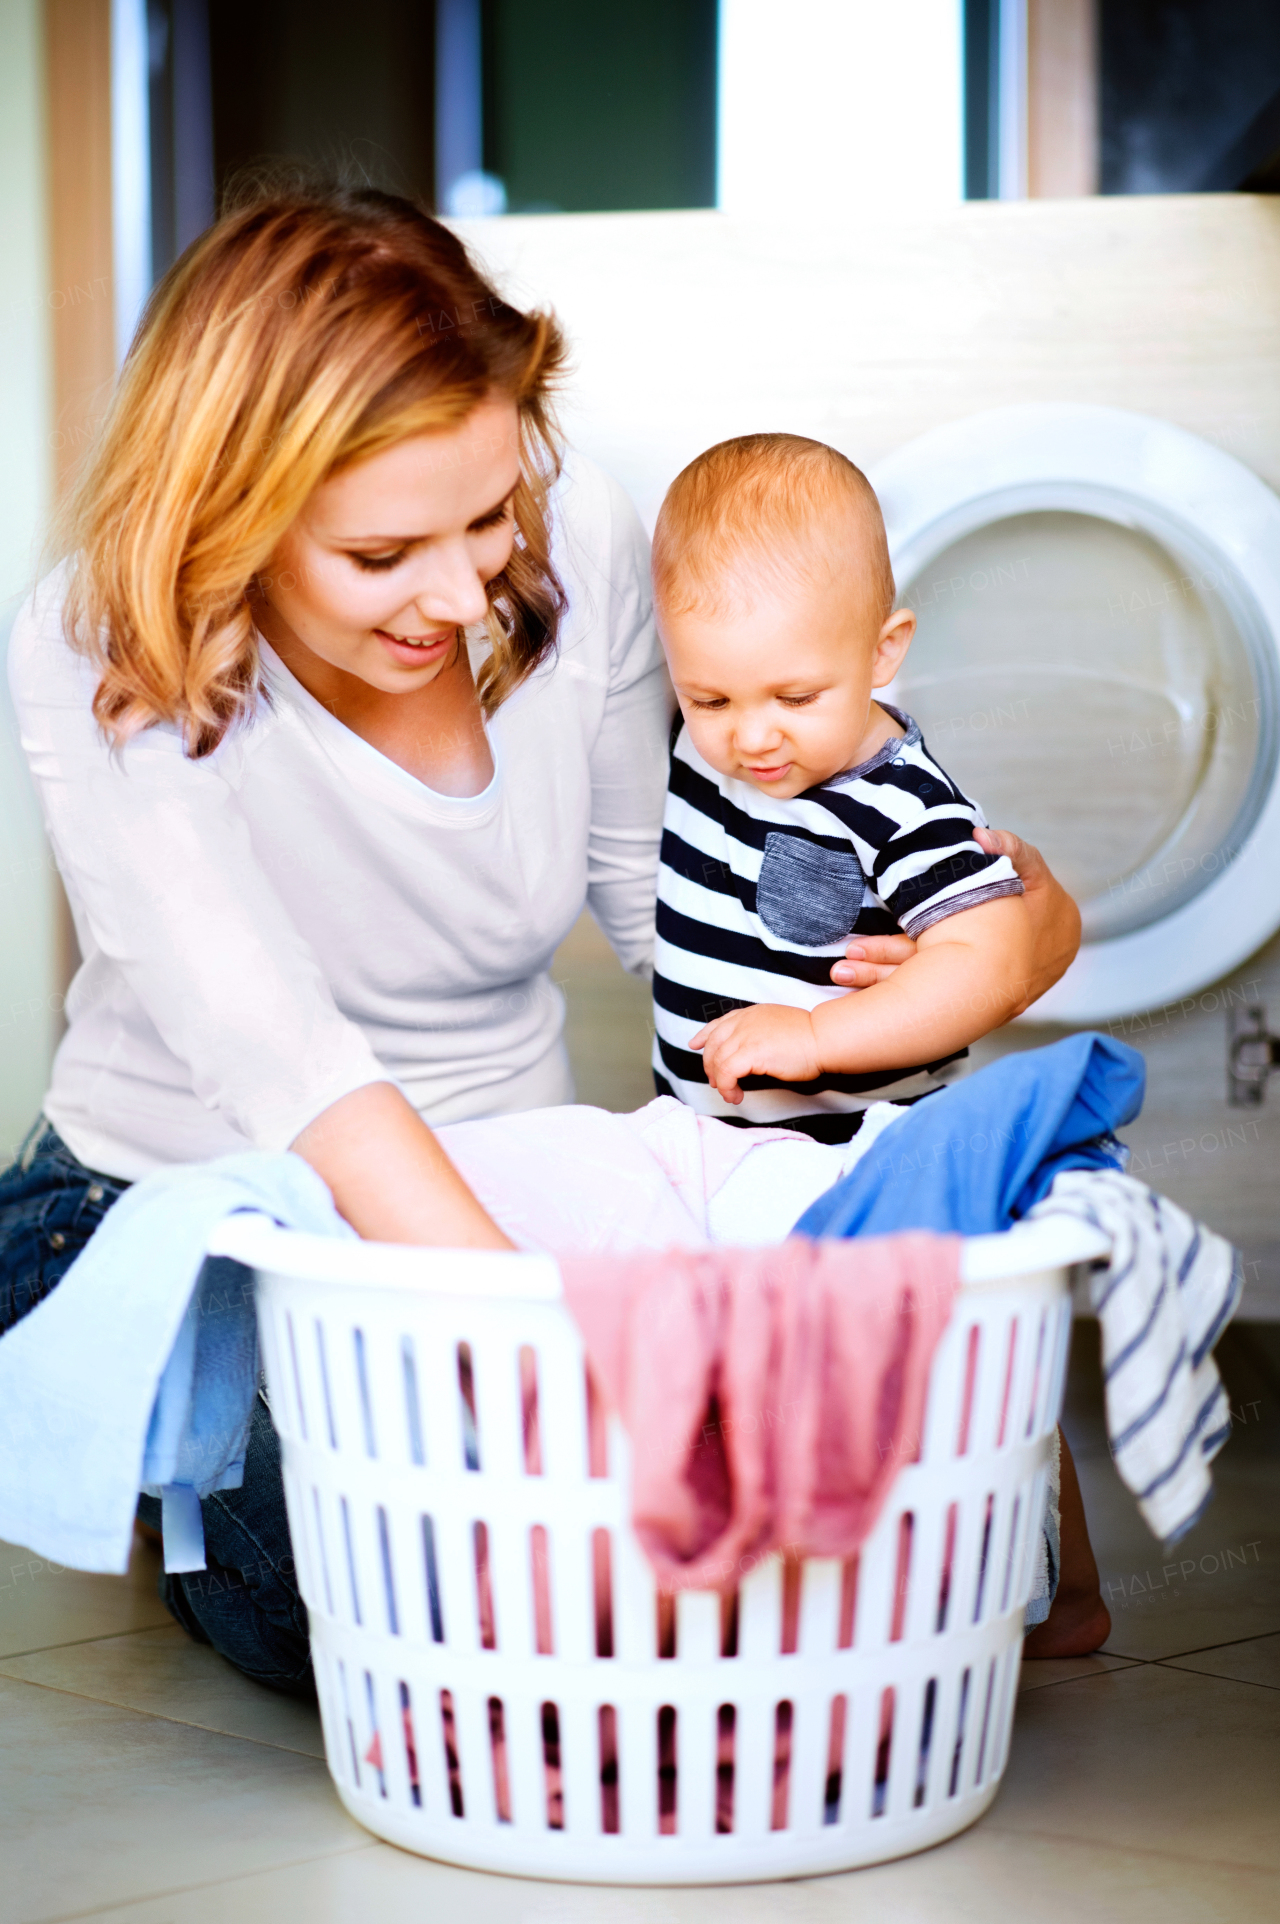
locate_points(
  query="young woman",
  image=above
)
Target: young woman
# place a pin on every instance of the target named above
(347, 699)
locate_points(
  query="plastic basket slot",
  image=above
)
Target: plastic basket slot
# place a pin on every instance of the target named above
(726, 1733)
(552, 1773)
(321, 1551)
(410, 1745)
(986, 1721)
(902, 1576)
(373, 1750)
(297, 1375)
(388, 1573)
(350, 1723)
(435, 1613)
(953, 1785)
(948, 1564)
(1037, 1373)
(531, 1432)
(970, 1384)
(467, 1408)
(540, 1572)
(602, 1590)
(609, 1814)
(453, 1768)
(789, 1637)
(498, 1752)
(984, 1557)
(412, 1405)
(366, 1404)
(884, 1754)
(664, 1610)
(729, 1600)
(351, 1559)
(668, 1782)
(485, 1623)
(783, 1718)
(847, 1627)
(1010, 1562)
(324, 1384)
(833, 1782)
(926, 1742)
(597, 1420)
(1008, 1383)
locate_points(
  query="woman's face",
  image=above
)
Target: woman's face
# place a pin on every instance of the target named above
(391, 557)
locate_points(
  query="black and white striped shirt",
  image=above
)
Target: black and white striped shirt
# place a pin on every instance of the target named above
(757, 897)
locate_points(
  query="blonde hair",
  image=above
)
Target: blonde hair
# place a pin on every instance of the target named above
(307, 330)
(762, 505)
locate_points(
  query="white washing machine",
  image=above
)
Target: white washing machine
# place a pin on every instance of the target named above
(1098, 661)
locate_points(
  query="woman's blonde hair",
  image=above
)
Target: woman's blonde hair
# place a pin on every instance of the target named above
(307, 330)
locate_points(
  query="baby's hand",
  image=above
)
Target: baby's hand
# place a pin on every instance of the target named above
(765, 1040)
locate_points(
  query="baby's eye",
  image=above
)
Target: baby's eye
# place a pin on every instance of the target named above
(378, 563)
(796, 701)
(717, 701)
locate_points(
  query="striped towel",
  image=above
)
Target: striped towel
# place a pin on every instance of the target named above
(1164, 1299)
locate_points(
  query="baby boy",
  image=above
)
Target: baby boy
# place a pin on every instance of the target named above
(801, 811)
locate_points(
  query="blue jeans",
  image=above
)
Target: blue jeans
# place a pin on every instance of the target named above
(246, 1602)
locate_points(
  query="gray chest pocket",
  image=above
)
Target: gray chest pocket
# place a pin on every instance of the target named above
(806, 894)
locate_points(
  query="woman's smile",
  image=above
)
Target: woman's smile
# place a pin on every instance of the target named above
(416, 651)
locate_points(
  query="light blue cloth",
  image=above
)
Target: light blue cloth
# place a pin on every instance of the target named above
(141, 1368)
(981, 1154)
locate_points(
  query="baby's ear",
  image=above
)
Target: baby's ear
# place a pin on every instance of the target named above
(892, 644)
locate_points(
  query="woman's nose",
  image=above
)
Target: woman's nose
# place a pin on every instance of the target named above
(454, 593)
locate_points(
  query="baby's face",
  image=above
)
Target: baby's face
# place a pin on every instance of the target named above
(778, 694)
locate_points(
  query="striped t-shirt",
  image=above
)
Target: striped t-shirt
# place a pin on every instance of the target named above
(758, 897)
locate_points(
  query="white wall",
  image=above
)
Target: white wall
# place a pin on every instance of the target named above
(27, 1015)
(831, 107)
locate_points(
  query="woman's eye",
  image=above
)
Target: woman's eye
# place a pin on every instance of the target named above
(378, 563)
(494, 520)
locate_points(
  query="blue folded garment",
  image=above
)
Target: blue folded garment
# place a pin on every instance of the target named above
(140, 1370)
(981, 1154)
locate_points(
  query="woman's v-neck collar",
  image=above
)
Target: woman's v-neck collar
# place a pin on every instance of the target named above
(362, 758)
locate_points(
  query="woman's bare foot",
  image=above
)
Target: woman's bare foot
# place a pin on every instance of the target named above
(1078, 1622)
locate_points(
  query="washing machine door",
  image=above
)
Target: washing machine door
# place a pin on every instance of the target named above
(1097, 664)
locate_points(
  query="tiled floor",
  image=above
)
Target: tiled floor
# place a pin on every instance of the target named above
(142, 1781)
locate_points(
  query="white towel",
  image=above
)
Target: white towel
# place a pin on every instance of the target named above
(1167, 1294)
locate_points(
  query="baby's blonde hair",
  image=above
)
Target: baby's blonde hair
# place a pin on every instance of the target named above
(766, 505)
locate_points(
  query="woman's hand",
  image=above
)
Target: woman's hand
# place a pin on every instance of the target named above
(389, 1176)
(1055, 926)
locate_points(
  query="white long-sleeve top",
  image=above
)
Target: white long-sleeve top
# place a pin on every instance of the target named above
(295, 916)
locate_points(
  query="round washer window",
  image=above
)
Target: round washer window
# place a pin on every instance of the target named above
(1101, 691)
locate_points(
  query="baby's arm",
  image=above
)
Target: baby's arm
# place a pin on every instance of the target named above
(969, 974)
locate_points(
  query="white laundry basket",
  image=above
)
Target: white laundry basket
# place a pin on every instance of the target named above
(498, 1684)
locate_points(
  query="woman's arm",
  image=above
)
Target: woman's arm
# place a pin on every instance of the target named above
(389, 1176)
(1053, 917)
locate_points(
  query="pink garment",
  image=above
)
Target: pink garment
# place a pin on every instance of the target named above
(582, 1180)
(770, 1395)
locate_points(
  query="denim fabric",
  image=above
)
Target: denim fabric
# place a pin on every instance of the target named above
(246, 1602)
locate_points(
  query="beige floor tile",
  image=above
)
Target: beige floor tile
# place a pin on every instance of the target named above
(1256, 1661)
(43, 1604)
(1151, 1759)
(1220, 1583)
(166, 1674)
(1036, 1674)
(102, 1806)
(987, 1875)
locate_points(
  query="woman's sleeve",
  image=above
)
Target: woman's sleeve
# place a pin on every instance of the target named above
(161, 869)
(629, 755)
